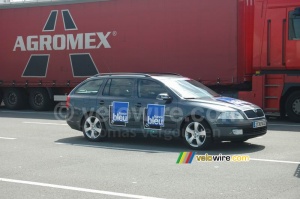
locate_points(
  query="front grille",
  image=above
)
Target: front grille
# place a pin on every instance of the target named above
(254, 113)
(250, 131)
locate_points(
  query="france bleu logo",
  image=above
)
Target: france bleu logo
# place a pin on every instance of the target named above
(119, 113)
(154, 116)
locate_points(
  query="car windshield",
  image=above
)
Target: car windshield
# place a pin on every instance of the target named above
(189, 89)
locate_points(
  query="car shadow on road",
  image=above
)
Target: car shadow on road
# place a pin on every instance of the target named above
(159, 145)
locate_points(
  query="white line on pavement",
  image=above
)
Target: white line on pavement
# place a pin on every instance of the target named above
(44, 123)
(279, 161)
(5, 138)
(115, 148)
(77, 189)
(283, 125)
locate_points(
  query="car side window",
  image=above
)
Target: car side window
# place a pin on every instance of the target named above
(150, 89)
(119, 87)
(90, 88)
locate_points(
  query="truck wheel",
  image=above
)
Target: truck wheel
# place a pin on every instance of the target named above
(93, 128)
(15, 98)
(197, 134)
(39, 99)
(293, 106)
(1, 98)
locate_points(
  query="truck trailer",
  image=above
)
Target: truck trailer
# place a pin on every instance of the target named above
(250, 47)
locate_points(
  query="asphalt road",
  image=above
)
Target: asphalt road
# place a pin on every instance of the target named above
(41, 157)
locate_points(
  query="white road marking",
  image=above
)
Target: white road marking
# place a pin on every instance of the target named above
(115, 148)
(5, 138)
(283, 125)
(44, 123)
(259, 137)
(77, 189)
(278, 161)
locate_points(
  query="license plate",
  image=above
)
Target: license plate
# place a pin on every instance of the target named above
(257, 124)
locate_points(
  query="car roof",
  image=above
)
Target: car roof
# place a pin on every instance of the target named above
(151, 75)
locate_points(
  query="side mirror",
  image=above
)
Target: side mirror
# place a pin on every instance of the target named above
(163, 96)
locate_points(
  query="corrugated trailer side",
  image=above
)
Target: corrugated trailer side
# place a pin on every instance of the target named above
(195, 38)
(57, 45)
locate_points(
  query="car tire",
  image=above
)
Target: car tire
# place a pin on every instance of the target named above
(293, 106)
(93, 128)
(197, 134)
(15, 98)
(39, 100)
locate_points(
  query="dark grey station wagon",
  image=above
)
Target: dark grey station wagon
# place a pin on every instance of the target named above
(164, 104)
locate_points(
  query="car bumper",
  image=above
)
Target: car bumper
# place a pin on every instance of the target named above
(238, 130)
(72, 120)
(74, 125)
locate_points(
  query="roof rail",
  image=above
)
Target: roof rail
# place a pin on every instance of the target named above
(110, 74)
(160, 73)
(148, 74)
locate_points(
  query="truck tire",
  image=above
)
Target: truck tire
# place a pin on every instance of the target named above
(197, 134)
(15, 98)
(1, 98)
(293, 106)
(39, 99)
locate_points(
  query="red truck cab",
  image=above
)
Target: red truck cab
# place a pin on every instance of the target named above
(276, 59)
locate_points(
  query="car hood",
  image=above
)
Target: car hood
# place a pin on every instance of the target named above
(226, 104)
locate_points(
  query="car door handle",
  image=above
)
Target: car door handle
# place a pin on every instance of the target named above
(101, 102)
(138, 105)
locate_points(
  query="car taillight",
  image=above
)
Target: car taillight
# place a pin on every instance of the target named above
(68, 101)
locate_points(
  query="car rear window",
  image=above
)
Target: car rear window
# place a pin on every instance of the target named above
(91, 87)
(119, 87)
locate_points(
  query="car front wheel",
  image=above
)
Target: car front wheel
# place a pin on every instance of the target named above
(197, 134)
(93, 128)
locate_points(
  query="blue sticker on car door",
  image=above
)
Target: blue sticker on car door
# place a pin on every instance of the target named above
(154, 116)
(119, 113)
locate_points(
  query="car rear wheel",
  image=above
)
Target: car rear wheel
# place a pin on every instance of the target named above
(197, 134)
(93, 128)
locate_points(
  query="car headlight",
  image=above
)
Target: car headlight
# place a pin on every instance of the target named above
(232, 115)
